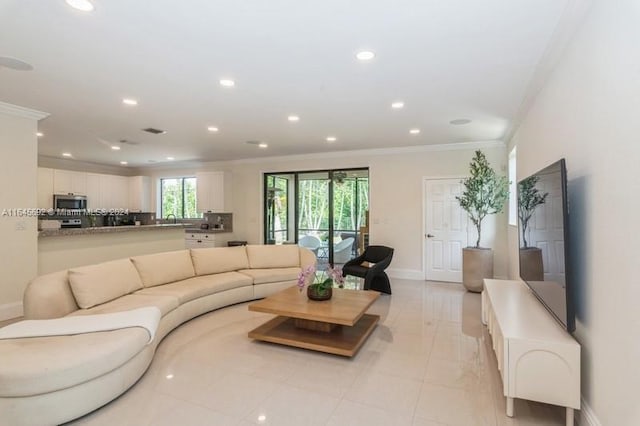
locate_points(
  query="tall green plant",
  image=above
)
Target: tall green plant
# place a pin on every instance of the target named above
(529, 198)
(484, 192)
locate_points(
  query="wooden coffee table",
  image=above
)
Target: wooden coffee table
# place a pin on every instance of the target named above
(338, 326)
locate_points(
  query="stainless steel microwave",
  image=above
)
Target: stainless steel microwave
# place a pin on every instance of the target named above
(70, 202)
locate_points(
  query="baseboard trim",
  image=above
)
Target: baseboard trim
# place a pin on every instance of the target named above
(405, 274)
(11, 310)
(587, 415)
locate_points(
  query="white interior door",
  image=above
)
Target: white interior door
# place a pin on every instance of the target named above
(445, 225)
(546, 230)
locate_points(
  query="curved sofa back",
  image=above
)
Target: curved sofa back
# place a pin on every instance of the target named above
(51, 295)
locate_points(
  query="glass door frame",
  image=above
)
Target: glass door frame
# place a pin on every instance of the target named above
(296, 196)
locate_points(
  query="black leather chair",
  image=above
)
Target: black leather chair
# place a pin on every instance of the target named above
(374, 276)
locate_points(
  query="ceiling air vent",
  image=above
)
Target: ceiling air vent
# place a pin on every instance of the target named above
(154, 131)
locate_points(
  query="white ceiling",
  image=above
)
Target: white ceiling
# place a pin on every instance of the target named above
(445, 59)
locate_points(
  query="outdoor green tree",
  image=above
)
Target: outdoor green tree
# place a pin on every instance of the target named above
(484, 192)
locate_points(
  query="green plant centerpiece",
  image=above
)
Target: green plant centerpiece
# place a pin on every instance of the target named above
(484, 193)
(317, 288)
(529, 199)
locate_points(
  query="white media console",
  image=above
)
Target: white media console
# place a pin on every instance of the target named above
(538, 360)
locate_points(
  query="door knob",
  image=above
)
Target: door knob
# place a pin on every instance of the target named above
(430, 236)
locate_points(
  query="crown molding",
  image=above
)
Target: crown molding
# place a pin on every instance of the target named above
(567, 26)
(22, 112)
(84, 166)
(462, 146)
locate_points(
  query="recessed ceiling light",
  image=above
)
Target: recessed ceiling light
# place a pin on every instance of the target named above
(169, 376)
(365, 55)
(83, 5)
(39, 134)
(15, 64)
(460, 121)
(212, 129)
(414, 131)
(66, 154)
(293, 118)
(397, 105)
(170, 158)
(129, 101)
(225, 82)
(262, 145)
(331, 139)
(115, 148)
(124, 163)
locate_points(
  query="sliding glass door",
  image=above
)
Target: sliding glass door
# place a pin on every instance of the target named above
(321, 210)
(278, 228)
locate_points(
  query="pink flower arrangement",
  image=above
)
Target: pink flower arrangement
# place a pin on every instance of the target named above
(304, 274)
(336, 275)
(333, 275)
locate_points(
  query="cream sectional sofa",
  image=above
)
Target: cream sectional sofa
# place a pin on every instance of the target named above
(50, 380)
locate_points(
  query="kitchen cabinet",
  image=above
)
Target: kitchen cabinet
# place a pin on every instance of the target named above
(115, 191)
(107, 191)
(102, 191)
(210, 191)
(203, 240)
(68, 182)
(94, 192)
(139, 194)
(45, 188)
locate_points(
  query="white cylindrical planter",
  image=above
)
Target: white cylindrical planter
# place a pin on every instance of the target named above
(477, 264)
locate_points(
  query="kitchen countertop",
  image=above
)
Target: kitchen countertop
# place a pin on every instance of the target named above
(109, 229)
(206, 231)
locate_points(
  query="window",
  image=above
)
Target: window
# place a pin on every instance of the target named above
(513, 194)
(178, 198)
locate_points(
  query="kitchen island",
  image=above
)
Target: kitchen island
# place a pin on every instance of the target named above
(110, 229)
(60, 249)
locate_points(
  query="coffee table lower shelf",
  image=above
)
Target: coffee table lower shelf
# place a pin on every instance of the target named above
(341, 340)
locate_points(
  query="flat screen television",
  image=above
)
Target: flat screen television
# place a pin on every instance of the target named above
(543, 233)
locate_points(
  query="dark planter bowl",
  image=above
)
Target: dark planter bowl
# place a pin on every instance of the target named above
(315, 292)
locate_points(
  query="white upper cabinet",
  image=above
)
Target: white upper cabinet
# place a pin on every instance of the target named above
(140, 194)
(115, 191)
(210, 192)
(102, 191)
(45, 188)
(68, 182)
(95, 200)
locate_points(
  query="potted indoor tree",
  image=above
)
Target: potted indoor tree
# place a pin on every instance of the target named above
(485, 193)
(529, 198)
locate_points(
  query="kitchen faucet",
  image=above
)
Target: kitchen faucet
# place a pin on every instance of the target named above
(175, 220)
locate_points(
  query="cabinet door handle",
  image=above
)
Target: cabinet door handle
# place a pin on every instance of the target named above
(430, 236)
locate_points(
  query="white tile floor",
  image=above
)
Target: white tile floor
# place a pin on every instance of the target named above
(427, 363)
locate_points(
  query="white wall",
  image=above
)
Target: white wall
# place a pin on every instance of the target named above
(588, 112)
(396, 179)
(19, 249)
